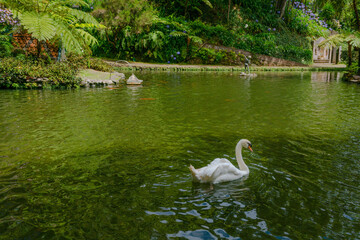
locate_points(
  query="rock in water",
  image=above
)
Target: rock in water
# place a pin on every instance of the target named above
(116, 76)
(133, 80)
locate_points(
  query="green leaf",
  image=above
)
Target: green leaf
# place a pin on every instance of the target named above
(196, 39)
(178, 34)
(87, 37)
(41, 26)
(207, 2)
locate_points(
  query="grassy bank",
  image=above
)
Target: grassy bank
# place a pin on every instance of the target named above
(225, 68)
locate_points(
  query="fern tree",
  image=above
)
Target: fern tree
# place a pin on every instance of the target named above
(56, 19)
(351, 39)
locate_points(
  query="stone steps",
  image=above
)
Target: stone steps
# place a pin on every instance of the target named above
(321, 61)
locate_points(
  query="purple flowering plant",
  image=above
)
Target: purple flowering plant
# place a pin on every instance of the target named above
(307, 22)
(6, 18)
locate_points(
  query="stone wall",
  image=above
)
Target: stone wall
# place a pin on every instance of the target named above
(259, 59)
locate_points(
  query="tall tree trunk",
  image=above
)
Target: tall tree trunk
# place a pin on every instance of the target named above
(349, 54)
(356, 15)
(186, 4)
(229, 11)
(280, 6)
(109, 41)
(38, 48)
(337, 54)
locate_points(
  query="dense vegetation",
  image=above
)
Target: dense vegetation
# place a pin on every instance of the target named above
(179, 31)
(176, 30)
(32, 72)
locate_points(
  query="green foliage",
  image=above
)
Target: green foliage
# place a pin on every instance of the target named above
(305, 24)
(23, 72)
(18, 73)
(56, 19)
(127, 29)
(353, 69)
(327, 11)
(80, 61)
(174, 40)
(5, 46)
(41, 26)
(254, 26)
(214, 34)
(118, 14)
(190, 9)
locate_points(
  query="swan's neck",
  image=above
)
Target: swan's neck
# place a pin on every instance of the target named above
(239, 158)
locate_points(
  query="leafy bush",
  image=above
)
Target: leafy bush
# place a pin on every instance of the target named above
(214, 34)
(79, 61)
(25, 72)
(353, 69)
(174, 40)
(19, 73)
(212, 56)
(5, 46)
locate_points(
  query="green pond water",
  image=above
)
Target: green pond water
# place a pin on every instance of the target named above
(103, 163)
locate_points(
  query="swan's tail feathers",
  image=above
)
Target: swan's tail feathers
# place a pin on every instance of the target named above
(193, 173)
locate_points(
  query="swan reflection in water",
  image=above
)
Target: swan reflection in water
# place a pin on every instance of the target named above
(226, 188)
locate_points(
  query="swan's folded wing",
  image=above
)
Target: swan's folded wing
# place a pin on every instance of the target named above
(214, 171)
(219, 161)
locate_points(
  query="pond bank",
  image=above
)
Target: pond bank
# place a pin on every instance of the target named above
(183, 67)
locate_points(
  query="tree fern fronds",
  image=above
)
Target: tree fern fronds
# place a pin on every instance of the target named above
(87, 37)
(88, 25)
(41, 26)
(80, 15)
(333, 40)
(178, 34)
(76, 2)
(70, 39)
(351, 38)
(196, 39)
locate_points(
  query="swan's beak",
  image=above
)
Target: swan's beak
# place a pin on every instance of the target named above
(249, 147)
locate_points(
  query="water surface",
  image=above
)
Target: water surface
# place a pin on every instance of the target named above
(113, 163)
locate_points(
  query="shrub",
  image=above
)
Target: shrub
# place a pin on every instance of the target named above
(22, 72)
(80, 61)
(29, 73)
(5, 46)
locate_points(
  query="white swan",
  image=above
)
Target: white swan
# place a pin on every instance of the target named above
(221, 169)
